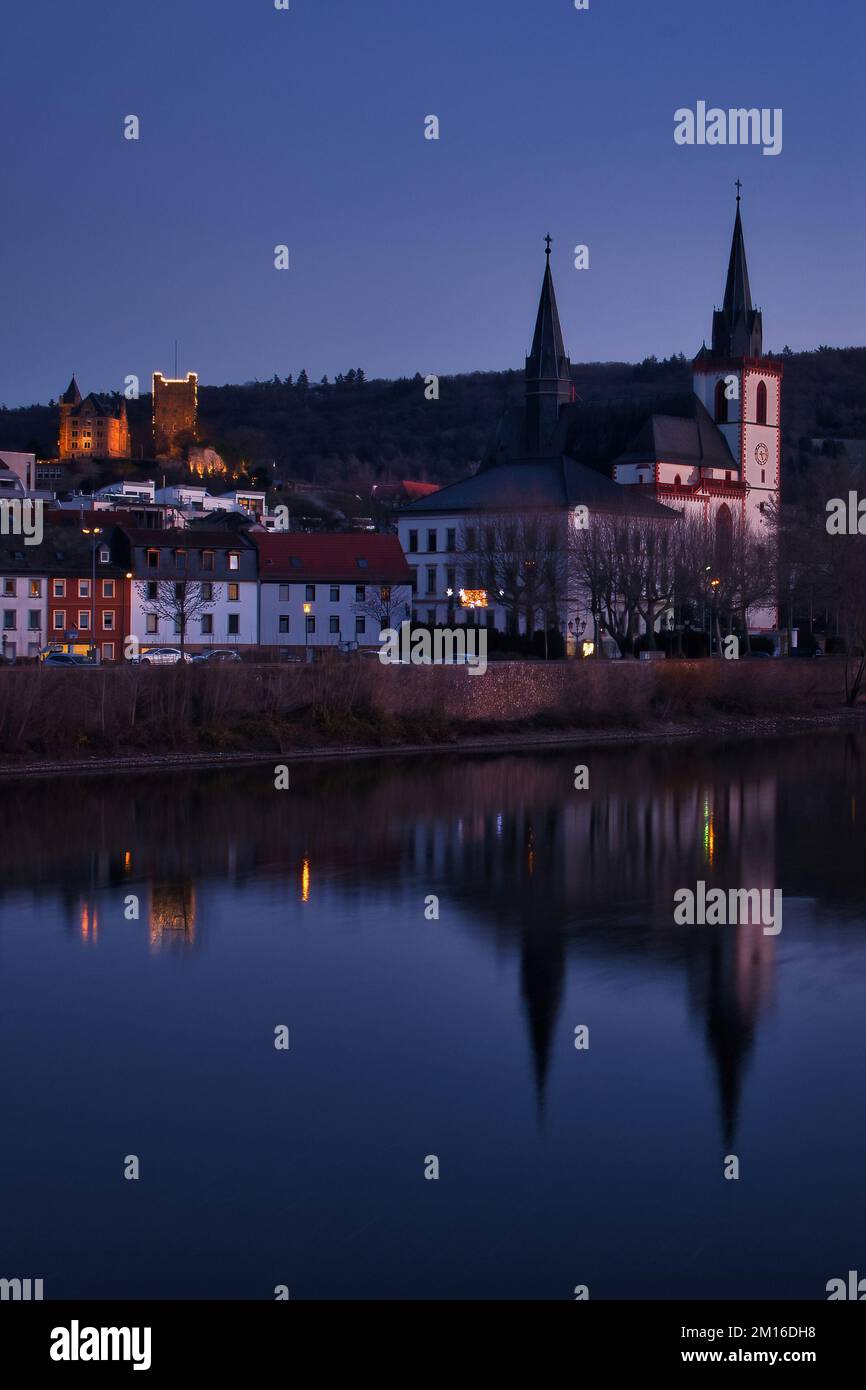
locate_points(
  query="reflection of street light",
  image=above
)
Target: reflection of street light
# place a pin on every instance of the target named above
(95, 532)
(308, 608)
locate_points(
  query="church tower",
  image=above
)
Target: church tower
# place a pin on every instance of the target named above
(740, 387)
(547, 373)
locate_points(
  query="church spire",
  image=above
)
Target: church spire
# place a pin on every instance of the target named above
(548, 370)
(737, 326)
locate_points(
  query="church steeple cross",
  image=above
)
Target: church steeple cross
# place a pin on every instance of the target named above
(738, 187)
(547, 241)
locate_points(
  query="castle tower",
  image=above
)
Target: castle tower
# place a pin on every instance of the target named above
(740, 387)
(69, 401)
(547, 372)
(175, 407)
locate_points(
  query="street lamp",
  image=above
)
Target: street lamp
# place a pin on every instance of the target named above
(308, 608)
(95, 532)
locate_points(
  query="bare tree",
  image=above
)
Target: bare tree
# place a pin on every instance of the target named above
(386, 604)
(178, 601)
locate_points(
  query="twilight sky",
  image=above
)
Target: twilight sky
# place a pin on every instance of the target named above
(306, 127)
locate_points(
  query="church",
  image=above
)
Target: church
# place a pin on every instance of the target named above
(720, 462)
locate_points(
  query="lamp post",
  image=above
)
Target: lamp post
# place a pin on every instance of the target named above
(308, 608)
(95, 532)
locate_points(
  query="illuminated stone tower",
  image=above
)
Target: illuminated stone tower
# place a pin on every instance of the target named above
(175, 407)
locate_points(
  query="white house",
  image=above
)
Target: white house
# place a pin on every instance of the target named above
(324, 590)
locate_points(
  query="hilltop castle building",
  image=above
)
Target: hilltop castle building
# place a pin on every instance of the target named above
(175, 407)
(93, 427)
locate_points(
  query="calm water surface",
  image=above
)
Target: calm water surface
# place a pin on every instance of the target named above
(411, 1037)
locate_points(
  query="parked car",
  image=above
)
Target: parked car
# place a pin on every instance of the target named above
(163, 656)
(218, 654)
(65, 659)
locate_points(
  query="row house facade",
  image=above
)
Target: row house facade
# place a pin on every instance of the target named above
(67, 590)
(217, 569)
(330, 590)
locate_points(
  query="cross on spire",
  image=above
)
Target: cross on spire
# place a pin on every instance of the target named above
(547, 241)
(738, 187)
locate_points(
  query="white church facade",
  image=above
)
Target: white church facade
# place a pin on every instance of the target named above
(720, 463)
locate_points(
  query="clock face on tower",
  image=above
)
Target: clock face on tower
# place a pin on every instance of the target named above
(762, 453)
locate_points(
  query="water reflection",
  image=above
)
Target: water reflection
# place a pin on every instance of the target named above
(534, 865)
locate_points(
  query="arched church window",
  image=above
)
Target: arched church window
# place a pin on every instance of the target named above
(721, 411)
(761, 404)
(724, 537)
(678, 482)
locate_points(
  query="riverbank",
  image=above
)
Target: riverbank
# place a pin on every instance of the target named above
(708, 731)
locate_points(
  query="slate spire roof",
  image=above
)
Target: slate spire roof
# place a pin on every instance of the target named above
(72, 395)
(737, 326)
(547, 372)
(548, 356)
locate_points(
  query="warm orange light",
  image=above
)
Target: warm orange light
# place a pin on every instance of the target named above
(305, 881)
(308, 608)
(473, 598)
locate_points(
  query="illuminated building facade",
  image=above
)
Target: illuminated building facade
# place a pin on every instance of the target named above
(93, 426)
(175, 409)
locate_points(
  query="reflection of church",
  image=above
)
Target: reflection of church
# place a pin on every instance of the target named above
(594, 875)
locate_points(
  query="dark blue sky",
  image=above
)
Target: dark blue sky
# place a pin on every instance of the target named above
(261, 127)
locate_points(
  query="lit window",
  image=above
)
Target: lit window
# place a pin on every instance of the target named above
(234, 592)
(234, 560)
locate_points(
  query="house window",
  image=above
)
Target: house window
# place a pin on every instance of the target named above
(361, 562)
(108, 620)
(9, 587)
(180, 559)
(360, 625)
(413, 542)
(151, 589)
(108, 588)
(59, 620)
(431, 540)
(207, 624)
(59, 588)
(108, 651)
(431, 579)
(385, 593)
(335, 593)
(33, 620)
(311, 624)
(471, 538)
(84, 619)
(284, 593)
(234, 624)
(153, 559)
(234, 592)
(104, 555)
(360, 593)
(35, 588)
(451, 578)
(84, 588)
(207, 591)
(761, 404)
(333, 624)
(207, 560)
(234, 560)
(151, 624)
(179, 590)
(284, 622)
(451, 539)
(310, 593)
(9, 620)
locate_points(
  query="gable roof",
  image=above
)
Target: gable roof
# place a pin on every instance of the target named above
(358, 558)
(555, 483)
(693, 440)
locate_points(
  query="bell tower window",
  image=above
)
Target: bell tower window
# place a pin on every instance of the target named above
(721, 410)
(761, 404)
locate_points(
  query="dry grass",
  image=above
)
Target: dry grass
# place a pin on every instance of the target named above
(66, 713)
